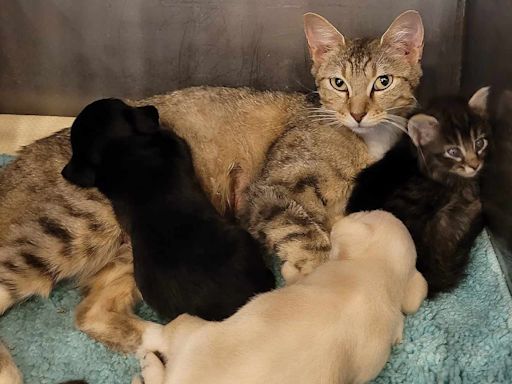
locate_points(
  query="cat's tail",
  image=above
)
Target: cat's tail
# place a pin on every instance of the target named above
(287, 229)
(9, 373)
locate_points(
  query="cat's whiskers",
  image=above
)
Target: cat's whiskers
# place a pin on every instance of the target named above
(321, 114)
(325, 121)
(316, 114)
(305, 87)
(396, 117)
(424, 159)
(326, 115)
(395, 124)
(399, 107)
(320, 109)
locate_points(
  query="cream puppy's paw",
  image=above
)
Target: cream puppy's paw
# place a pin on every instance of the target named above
(152, 339)
(153, 370)
(399, 333)
(290, 273)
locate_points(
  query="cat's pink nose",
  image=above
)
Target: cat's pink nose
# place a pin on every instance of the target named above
(358, 116)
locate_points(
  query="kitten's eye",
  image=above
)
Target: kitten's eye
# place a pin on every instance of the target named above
(480, 144)
(454, 152)
(382, 82)
(339, 84)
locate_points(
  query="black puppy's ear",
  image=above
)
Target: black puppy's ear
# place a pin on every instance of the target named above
(80, 175)
(147, 119)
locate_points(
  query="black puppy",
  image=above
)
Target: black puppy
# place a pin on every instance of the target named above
(186, 257)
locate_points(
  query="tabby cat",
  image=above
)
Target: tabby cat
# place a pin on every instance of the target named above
(366, 86)
(432, 185)
(51, 230)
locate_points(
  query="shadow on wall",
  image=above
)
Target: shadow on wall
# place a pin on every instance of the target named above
(57, 56)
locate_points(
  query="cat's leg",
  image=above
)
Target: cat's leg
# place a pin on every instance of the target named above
(9, 374)
(287, 229)
(106, 312)
(23, 274)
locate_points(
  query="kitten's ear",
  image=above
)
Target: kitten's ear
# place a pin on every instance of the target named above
(406, 34)
(478, 102)
(422, 129)
(321, 36)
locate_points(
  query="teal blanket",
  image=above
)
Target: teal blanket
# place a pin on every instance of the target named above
(461, 337)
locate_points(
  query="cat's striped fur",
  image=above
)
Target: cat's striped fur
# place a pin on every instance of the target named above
(51, 230)
(310, 170)
(302, 190)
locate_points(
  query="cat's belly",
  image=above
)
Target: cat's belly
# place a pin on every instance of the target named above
(229, 131)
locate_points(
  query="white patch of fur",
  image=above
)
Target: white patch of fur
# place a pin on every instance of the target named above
(380, 139)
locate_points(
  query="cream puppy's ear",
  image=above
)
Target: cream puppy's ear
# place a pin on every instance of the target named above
(415, 292)
(349, 237)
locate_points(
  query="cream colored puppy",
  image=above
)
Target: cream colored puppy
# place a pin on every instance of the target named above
(336, 325)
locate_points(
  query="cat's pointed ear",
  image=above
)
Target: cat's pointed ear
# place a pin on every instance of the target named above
(321, 36)
(422, 129)
(406, 34)
(478, 102)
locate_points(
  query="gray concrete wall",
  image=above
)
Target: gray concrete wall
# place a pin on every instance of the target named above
(57, 55)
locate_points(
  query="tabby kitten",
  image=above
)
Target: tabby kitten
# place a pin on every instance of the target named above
(51, 230)
(432, 185)
(366, 88)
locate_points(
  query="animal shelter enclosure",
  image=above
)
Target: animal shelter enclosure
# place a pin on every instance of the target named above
(58, 56)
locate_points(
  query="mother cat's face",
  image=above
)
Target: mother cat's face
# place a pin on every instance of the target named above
(364, 84)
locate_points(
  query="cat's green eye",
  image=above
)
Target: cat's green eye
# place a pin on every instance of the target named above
(339, 84)
(382, 82)
(454, 152)
(480, 144)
